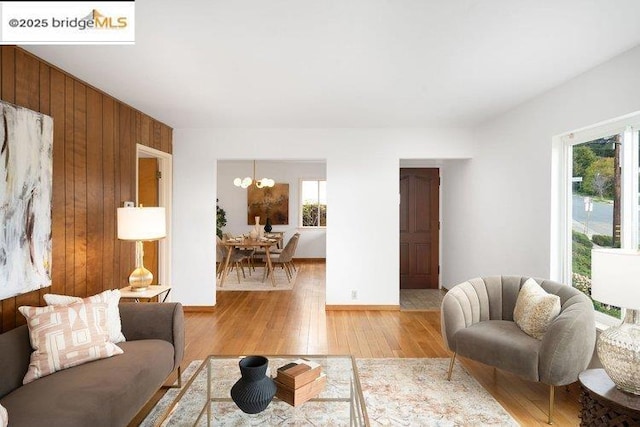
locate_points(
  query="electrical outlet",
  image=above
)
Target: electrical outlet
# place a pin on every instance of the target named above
(129, 204)
(354, 294)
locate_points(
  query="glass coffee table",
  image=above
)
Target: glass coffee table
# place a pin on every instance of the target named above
(205, 400)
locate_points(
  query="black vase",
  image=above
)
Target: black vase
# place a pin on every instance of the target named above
(254, 390)
(267, 226)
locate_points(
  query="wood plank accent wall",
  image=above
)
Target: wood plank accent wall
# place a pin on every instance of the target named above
(94, 160)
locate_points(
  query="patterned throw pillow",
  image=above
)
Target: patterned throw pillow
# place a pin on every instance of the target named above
(535, 309)
(66, 336)
(4, 417)
(111, 297)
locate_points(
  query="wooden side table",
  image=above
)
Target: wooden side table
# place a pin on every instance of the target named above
(603, 404)
(148, 294)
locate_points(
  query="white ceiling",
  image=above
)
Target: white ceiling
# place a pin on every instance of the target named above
(349, 63)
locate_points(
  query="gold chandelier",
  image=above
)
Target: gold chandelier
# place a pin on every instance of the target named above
(247, 181)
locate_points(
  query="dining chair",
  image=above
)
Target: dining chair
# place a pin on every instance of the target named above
(277, 249)
(284, 258)
(249, 253)
(236, 259)
(295, 247)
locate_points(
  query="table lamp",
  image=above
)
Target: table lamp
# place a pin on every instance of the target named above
(615, 280)
(141, 224)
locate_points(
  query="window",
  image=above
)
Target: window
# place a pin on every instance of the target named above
(313, 203)
(602, 179)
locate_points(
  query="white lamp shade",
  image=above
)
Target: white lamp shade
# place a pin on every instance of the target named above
(141, 223)
(615, 277)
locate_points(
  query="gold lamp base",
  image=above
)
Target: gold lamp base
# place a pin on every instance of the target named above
(140, 278)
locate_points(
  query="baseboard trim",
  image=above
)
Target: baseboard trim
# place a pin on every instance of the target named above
(362, 307)
(313, 260)
(198, 308)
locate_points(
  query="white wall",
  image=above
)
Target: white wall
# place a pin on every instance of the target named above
(362, 191)
(496, 207)
(233, 200)
(501, 201)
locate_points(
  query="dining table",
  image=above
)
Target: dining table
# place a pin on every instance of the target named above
(247, 242)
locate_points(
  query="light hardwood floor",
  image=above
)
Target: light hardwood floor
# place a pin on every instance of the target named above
(290, 322)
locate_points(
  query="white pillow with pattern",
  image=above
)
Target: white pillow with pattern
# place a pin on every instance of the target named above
(65, 336)
(535, 309)
(4, 417)
(111, 297)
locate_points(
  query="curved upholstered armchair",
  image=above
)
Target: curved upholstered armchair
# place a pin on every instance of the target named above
(477, 323)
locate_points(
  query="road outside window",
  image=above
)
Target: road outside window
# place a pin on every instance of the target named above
(596, 199)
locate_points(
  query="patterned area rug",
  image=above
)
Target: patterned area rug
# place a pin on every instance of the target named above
(397, 392)
(253, 281)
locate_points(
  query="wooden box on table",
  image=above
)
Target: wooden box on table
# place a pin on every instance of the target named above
(299, 381)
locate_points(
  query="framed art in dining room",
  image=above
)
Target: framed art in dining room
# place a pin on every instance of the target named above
(268, 202)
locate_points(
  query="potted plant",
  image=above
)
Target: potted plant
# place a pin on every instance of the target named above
(221, 219)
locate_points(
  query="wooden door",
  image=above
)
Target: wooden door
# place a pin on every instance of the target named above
(148, 196)
(419, 228)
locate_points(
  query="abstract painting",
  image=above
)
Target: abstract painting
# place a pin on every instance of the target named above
(26, 172)
(268, 202)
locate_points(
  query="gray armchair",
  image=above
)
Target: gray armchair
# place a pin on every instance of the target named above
(477, 323)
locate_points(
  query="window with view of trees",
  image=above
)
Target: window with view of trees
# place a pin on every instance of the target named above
(313, 203)
(604, 202)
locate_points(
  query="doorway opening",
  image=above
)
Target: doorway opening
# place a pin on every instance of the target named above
(419, 189)
(293, 210)
(153, 188)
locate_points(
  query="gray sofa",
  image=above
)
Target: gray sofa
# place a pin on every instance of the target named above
(477, 323)
(106, 392)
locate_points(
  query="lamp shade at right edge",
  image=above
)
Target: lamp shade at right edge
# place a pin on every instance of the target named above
(615, 277)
